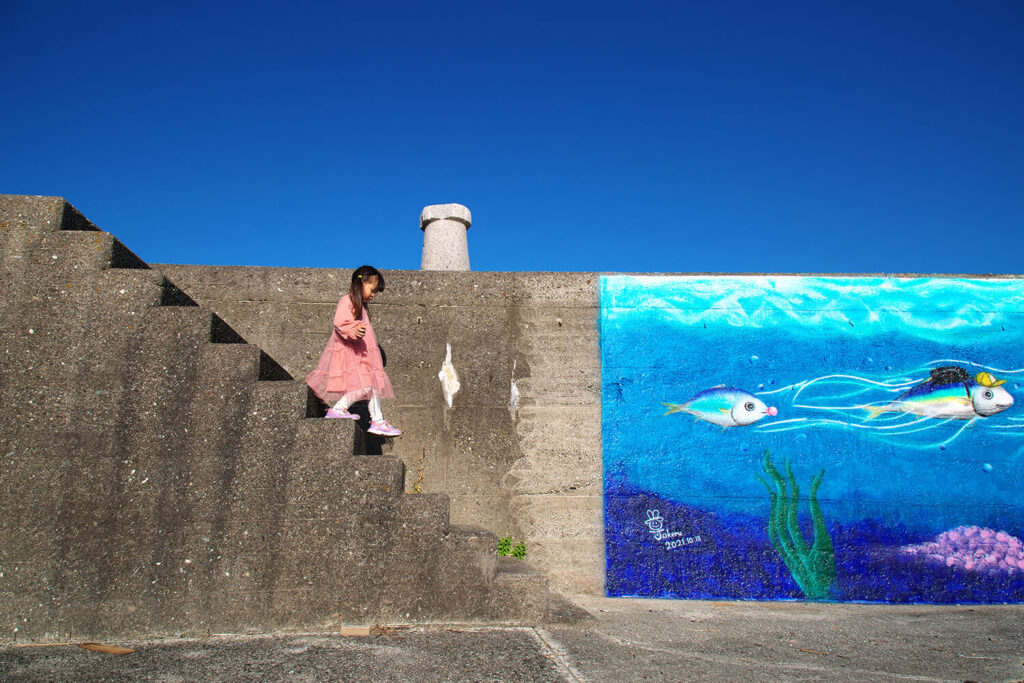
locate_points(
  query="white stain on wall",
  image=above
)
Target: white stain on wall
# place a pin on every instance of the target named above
(513, 399)
(449, 377)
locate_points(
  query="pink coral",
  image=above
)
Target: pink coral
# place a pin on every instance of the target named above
(973, 548)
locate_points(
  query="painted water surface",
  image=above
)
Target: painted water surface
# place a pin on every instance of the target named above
(814, 438)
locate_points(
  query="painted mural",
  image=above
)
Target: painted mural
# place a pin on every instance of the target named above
(852, 439)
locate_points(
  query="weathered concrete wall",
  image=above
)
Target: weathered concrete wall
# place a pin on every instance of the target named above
(533, 473)
(160, 475)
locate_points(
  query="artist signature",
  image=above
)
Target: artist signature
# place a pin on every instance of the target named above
(672, 539)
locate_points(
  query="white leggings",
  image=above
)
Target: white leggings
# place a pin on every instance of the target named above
(362, 394)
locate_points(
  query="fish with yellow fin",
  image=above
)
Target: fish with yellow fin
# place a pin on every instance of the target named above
(950, 393)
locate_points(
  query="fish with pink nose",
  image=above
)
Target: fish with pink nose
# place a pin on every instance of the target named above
(724, 406)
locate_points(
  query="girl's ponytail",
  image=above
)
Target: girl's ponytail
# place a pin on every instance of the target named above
(356, 290)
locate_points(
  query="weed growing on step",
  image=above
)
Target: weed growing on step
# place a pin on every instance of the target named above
(506, 548)
(418, 486)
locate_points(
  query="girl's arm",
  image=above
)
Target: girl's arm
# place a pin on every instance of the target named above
(345, 324)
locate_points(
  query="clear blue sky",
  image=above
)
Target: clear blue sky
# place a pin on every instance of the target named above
(614, 136)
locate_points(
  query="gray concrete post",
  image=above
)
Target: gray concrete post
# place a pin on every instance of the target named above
(445, 246)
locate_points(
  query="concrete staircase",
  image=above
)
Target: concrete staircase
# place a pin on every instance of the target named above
(162, 476)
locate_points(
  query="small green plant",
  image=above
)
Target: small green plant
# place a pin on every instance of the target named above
(418, 486)
(505, 548)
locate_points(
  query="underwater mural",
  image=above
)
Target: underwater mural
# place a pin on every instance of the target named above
(813, 438)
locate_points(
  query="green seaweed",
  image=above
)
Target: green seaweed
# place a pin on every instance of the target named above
(813, 567)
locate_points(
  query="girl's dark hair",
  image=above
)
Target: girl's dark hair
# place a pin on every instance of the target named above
(356, 290)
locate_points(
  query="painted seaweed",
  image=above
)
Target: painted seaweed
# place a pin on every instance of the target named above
(813, 567)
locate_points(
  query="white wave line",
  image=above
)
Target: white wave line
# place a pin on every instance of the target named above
(769, 428)
(820, 422)
(884, 415)
(906, 424)
(854, 394)
(894, 387)
(775, 391)
(977, 365)
(780, 430)
(782, 422)
(800, 386)
(865, 380)
(802, 405)
(921, 429)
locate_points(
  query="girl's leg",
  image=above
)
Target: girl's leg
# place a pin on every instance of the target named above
(340, 408)
(378, 425)
(348, 399)
(375, 413)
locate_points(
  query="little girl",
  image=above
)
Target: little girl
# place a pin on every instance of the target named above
(350, 367)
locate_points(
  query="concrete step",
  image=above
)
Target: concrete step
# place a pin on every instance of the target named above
(189, 323)
(265, 463)
(121, 297)
(519, 593)
(277, 401)
(242, 362)
(465, 570)
(441, 573)
(194, 483)
(204, 322)
(324, 484)
(466, 543)
(89, 304)
(66, 251)
(230, 362)
(318, 435)
(425, 514)
(84, 250)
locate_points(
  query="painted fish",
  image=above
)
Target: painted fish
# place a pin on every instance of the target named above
(724, 406)
(951, 394)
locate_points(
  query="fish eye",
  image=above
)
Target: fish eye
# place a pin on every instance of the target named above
(988, 393)
(749, 405)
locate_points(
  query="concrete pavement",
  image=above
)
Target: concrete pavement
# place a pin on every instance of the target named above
(629, 640)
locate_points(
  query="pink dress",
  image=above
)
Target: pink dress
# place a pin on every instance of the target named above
(349, 363)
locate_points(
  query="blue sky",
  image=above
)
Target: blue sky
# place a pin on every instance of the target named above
(645, 136)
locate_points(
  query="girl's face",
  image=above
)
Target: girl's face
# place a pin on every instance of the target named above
(369, 287)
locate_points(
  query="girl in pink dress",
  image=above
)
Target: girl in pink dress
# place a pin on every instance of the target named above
(351, 368)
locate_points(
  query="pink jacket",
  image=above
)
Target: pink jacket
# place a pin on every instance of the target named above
(349, 363)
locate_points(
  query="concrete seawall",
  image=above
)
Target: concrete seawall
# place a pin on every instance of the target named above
(163, 476)
(170, 399)
(531, 471)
